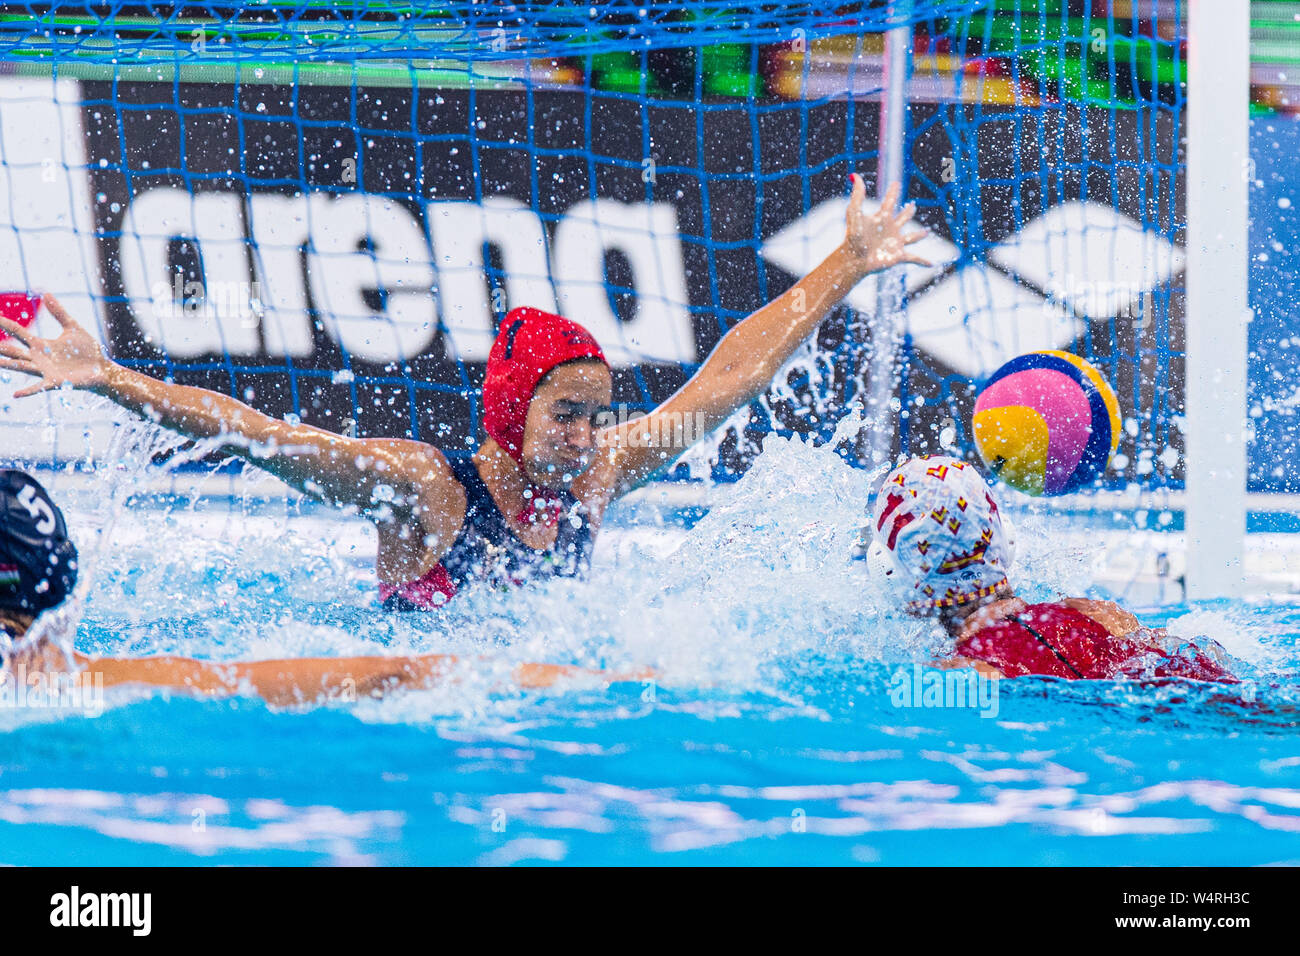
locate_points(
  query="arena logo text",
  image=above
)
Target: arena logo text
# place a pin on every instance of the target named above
(382, 283)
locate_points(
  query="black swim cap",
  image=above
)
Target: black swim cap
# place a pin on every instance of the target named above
(38, 564)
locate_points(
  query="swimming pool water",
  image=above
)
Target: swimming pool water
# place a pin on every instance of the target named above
(769, 736)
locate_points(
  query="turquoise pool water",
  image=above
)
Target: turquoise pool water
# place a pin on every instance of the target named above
(770, 736)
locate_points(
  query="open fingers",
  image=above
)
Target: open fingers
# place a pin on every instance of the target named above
(17, 331)
(890, 199)
(14, 350)
(19, 365)
(858, 192)
(41, 386)
(58, 311)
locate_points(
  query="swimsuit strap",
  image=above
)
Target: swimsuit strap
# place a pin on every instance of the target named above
(485, 539)
(480, 510)
(483, 515)
(1048, 644)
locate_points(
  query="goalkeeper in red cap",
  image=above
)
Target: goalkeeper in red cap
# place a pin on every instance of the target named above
(530, 500)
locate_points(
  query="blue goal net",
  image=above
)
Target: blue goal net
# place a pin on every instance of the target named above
(325, 209)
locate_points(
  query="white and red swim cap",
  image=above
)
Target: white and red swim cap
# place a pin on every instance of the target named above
(937, 527)
(529, 344)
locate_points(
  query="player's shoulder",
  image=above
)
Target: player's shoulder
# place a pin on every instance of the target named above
(408, 452)
(1106, 613)
(418, 466)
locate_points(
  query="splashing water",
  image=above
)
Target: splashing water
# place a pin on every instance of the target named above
(770, 721)
(765, 577)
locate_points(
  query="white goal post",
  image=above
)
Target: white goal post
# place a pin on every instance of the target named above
(1218, 311)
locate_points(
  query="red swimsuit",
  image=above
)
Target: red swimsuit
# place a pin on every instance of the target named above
(1057, 641)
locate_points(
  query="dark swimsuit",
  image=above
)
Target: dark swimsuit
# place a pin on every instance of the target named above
(1058, 641)
(487, 551)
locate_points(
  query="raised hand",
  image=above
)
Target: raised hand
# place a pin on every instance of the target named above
(74, 358)
(876, 240)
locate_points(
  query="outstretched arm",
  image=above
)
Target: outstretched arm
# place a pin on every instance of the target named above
(744, 362)
(331, 467)
(307, 680)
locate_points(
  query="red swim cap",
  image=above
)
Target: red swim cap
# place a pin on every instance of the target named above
(529, 344)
